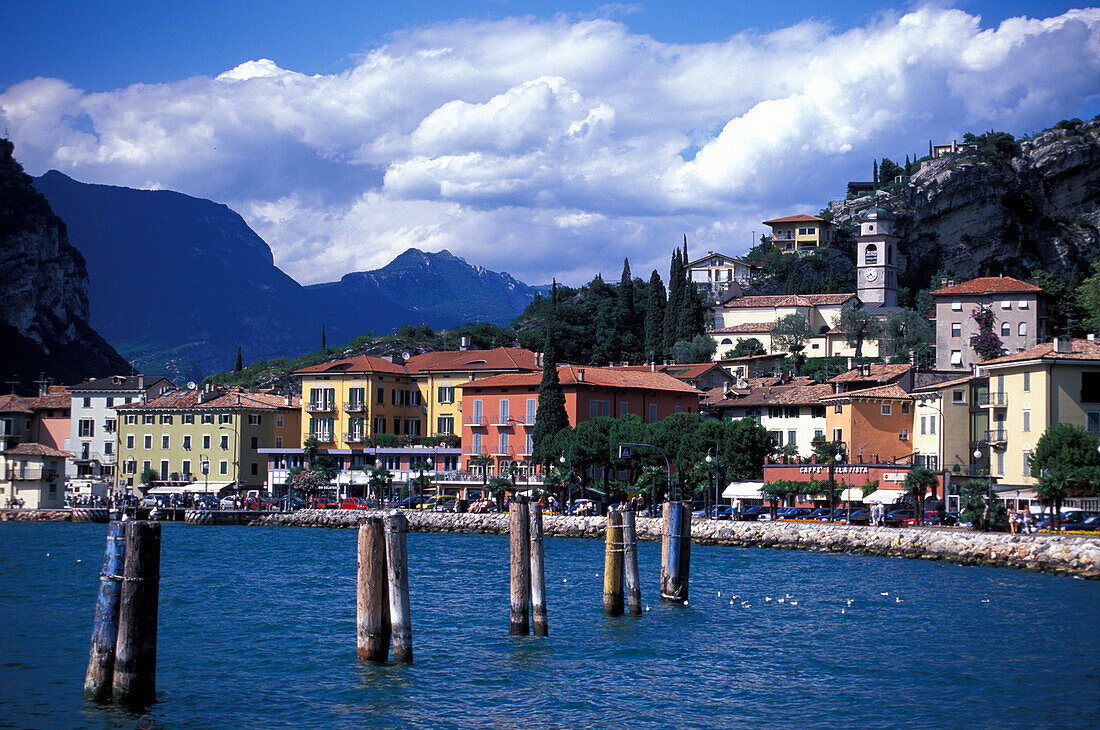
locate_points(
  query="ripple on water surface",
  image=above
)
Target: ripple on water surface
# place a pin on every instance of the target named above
(257, 628)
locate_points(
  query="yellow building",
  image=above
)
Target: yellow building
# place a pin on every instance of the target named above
(203, 440)
(1030, 391)
(32, 476)
(941, 425)
(801, 233)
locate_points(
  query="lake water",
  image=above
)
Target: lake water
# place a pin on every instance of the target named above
(257, 629)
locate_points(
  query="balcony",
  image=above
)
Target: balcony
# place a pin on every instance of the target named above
(322, 436)
(507, 453)
(321, 407)
(354, 407)
(354, 438)
(32, 475)
(992, 400)
(477, 421)
(504, 423)
(996, 436)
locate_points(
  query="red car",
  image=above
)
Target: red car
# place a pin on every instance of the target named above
(323, 503)
(354, 503)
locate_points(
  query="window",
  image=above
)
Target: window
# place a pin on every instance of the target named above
(818, 434)
(678, 408)
(1092, 419)
(254, 442)
(838, 435)
(253, 419)
(1000, 463)
(1027, 381)
(903, 434)
(187, 418)
(777, 437)
(838, 408)
(598, 408)
(130, 442)
(396, 426)
(792, 438)
(503, 443)
(381, 397)
(445, 394)
(503, 411)
(207, 418)
(445, 424)
(475, 446)
(206, 441)
(187, 442)
(164, 441)
(148, 419)
(530, 444)
(1027, 463)
(958, 396)
(108, 447)
(922, 425)
(165, 419)
(871, 255)
(86, 428)
(1090, 387)
(223, 467)
(146, 466)
(278, 442)
(817, 411)
(1027, 421)
(87, 402)
(1023, 329)
(886, 409)
(933, 423)
(1006, 329)
(164, 470)
(380, 424)
(279, 421)
(110, 402)
(956, 306)
(653, 413)
(148, 441)
(904, 407)
(255, 470)
(956, 357)
(224, 442)
(1006, 304)
(130, 419)
(225, 418)
(956, 329)
(533, 409)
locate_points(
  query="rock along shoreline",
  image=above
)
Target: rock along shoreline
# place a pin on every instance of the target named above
(1050, 553)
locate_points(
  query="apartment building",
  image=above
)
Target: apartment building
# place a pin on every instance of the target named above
(801, 234)
(755, 316)
(874, 424)
(32, 476)
(204, 440)
(93, 426)
(791, 410)
(1020, 318)
(40, 420)
(715, 273)
(941, 434)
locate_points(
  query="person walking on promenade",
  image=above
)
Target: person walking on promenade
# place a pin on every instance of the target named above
(985, 517)
(1012, 520)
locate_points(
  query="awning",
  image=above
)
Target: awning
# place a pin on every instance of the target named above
(884, 496)
(743, 490)
(193, 487)
(852, 494)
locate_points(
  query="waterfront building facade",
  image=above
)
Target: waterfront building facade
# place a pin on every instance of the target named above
(1020, 318)
(941, 425)
(874, 424)
(93, 423)
(32, 476)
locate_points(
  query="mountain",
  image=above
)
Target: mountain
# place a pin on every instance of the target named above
(44, 301)
(178, 283)
(1010, 207)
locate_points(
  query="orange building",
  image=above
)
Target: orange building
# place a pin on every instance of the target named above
(874, 424)
(498, 413)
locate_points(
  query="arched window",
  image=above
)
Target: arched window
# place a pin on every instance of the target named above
(870, 256)
(727, 341)
(1006, 329)
(1023, 329)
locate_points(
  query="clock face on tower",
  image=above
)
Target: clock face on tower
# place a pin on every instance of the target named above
(870, 274)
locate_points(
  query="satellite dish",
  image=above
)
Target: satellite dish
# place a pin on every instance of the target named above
(191, 385)
(406, 355)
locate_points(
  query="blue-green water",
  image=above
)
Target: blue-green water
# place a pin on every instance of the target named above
(257, 629)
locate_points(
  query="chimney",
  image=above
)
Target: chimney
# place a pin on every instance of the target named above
(1091, 337)
(141, 382)
(912, 359)
(286, 400)
(1063, 345)
(652, 366)
(464, 344)
(580, 375)
(851, 363)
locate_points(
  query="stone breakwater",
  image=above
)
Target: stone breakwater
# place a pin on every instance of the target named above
(1066, 554)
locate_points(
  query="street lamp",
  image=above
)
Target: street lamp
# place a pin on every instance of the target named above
(716, 479)
(989, 490)
(848, 513)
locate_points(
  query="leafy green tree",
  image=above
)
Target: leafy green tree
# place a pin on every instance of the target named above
(888, 170)
(309, 481)
(858, 326)
(378, 480)
(1087, 299)
(497, 486)
(699, 349)
(1065, 459)
(780, 491)
(656, 303)
(826, 452)
(1067, 309)
(746, 348)
(551, 416)
(790, 334)
(907, 331)
(148, 476)
(993, 144)
(918, 482)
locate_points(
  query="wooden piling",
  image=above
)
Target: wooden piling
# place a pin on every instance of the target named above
(372, 599)
(665, 508)
(538, 574)
(685, 550)
(672, 587)
(519, 541)
(613, 565)
(630, 564)
(134, 681)
(101, 657)
(397, 567)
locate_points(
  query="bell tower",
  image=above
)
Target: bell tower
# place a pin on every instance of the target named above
(877, 259)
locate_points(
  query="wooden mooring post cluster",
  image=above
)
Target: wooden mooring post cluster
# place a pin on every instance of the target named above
(620, 566)
(675, 551)
(122, 662)
(382, 592)
(527, 585)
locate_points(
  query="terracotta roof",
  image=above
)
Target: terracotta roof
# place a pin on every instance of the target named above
(712, 254)
(989, 285)
(683, 371)
(15, 404)
(52, 399)
(879, 373)
(944, 384)
(884, 392)
(774, 392)
(229, 400)
(36, 450)
(745, 358)
(788, 300)
(120, 382)
(601, 377)
(498, 358)
(751, 327)
(357, 364)
(800, 218)
(1082, 350)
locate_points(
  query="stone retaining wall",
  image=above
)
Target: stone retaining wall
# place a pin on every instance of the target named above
(1067, 554)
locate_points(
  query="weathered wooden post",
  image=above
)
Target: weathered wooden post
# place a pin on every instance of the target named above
(630, 564)
(538, 574)
(666, 507)
(372, 599)
(101, 658)
(613, 565)
(685, 549)
(397, 565)
(519, 542)
(134, 681)
(672, 586)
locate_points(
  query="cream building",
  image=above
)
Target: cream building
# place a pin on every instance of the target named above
(941, 425)
(32, 476)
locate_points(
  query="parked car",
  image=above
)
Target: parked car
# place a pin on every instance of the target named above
(583, 507)
(860, 517)
(932, 517)
(408, 503)
(228, 502)
(794, 513)
(897, 517)
(324, 503)
(431, 503)
(1069, 520)
(721, 512)
(821, 513)
(353, 503)
(751, 514)
(292, 504)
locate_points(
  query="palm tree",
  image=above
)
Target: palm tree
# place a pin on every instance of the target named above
(420, 482)
(917, 482)
(378, 478)
(482, 462)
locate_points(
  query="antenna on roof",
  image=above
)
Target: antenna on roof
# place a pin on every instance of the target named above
(191, 385)
(12, 383)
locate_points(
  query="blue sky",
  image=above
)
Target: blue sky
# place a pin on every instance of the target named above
(542, 139)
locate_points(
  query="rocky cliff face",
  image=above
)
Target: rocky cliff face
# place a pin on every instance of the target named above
(44, 297)
(972, 214)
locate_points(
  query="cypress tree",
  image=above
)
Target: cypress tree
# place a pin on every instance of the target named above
(655, 319)
(874, 174)
(908, 166)
(929, 148)
(238, 364)
(631, 325)
(675, 300)
(323, 337)
(692, 320)
(551, 416)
